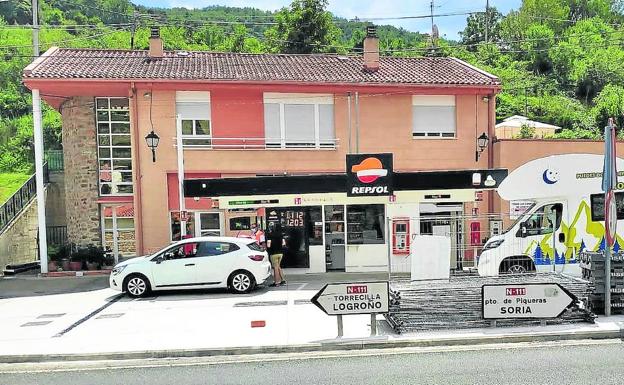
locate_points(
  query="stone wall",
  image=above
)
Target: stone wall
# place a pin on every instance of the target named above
(81, 179)
(18, 242)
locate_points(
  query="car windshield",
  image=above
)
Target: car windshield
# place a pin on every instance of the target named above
(521, 217)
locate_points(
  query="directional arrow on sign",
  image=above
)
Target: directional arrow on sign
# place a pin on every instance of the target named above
(531, 300)
(353, 298)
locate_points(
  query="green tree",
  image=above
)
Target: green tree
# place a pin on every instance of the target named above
(476, 23)
(305, 27)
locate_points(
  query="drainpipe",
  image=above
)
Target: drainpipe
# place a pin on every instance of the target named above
(349, 117)
(138, 198)
(180, 174)
(491, 134)
(41, 219)
(357, 122)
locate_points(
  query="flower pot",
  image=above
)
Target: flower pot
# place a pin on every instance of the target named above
(52, 266)
(65, 264)
(75, 266)
(92, 265)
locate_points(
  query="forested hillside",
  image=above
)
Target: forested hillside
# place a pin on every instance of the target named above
(560, 61)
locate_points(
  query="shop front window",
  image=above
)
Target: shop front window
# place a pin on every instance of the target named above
(175, 226)
(365, 224)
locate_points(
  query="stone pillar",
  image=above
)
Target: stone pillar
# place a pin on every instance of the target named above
(81, 171)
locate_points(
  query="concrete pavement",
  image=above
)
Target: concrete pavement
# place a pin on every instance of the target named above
(101, 324)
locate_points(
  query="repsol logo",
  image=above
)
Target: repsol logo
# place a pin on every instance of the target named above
(370, 190)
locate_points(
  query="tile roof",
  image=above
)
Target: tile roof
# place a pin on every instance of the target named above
(63, 63)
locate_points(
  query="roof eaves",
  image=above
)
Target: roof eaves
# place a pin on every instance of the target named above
(31, 67)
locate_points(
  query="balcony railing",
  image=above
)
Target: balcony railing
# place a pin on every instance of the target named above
(22, 197)
(255, 143)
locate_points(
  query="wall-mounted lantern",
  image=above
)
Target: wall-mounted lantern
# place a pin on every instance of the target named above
(152, 142)
(482, 142)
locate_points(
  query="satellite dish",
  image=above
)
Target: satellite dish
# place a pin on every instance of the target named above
(435, 34)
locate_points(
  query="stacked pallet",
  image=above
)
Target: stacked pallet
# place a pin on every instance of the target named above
(593, 270)
(457, 303)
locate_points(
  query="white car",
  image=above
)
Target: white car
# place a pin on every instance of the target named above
(195, 263)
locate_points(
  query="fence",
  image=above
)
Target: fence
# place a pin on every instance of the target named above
(22, 197)
(56, 235)
(55, 160)
(532, 247)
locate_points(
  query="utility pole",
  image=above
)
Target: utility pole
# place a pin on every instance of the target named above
(38, 139)
(487, 20)
(134, 25)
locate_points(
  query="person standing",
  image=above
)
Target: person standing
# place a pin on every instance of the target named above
(275, 245)
(258, 235)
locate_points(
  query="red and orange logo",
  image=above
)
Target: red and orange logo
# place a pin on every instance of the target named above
(369, 170)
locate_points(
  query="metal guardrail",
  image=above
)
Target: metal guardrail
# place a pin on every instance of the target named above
(22, 197)
(55, 160)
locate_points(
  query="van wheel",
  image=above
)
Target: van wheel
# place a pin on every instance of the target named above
(517, 265)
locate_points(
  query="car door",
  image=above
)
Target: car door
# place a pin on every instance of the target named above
(177, 266)
(541, 237)
(215, 262)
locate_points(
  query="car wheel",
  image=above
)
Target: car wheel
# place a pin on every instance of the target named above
(516, 269)
(242, 282)
(136, 286)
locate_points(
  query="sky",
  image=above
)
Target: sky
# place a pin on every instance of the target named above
(448, 26)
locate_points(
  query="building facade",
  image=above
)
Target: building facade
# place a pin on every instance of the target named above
(228, 115)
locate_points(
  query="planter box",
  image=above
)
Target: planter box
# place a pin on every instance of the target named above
(92, 266)
(52, 266)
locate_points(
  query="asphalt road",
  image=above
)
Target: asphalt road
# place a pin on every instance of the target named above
(565, 363)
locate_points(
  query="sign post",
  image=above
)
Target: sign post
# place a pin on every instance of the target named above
(609, 181)
(353, 298)
(530, 300)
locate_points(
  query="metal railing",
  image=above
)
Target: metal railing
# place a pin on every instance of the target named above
(254, 143)
(55, 161)
(20, 199)
(56, 235)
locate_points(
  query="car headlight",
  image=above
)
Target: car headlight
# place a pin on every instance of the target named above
(493, 244)
(118, 269)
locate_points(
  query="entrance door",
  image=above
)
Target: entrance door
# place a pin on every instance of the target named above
(208, 224)
(335, 238)
(118, 230)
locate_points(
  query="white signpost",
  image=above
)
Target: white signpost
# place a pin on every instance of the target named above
(353, 298)
(531, 300)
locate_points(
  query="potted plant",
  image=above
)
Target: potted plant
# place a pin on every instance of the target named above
(78, 258)
(64, 254)
(95, 257)
(53, 258)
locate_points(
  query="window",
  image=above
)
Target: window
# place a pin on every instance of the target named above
(113, 141)
(193, 110)
(209, 224)
(175, 226)
(186, 250)
(545, 220)
(240, 223)
(299, 120)
(598, 209)
(365, 224)
(433, 116)
(209, 249)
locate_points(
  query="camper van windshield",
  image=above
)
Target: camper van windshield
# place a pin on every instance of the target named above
(521, 217)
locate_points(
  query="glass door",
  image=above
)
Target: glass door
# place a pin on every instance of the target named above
(118, 234)
(335, 237)
(209, 224)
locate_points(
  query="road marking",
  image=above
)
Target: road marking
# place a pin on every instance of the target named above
(90, 315)
(38, 323)
(261, 303)
(52, 315)
(83, 366)
(112, 315)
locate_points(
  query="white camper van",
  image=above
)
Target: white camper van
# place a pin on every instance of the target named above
(564, 215)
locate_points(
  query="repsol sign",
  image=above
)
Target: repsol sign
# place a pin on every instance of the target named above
(369, 174)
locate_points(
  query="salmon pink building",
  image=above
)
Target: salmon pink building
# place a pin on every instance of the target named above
(235, 116)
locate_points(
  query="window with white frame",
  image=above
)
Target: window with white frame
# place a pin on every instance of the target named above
(299, 120)
(114, 152)
(433, 116)
(193, 110)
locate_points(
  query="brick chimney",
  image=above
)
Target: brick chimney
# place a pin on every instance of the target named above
(371, 49)
(155, 43)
